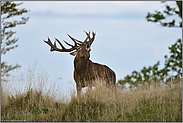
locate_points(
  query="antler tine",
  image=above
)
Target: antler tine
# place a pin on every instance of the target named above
(68, 43)
(75, 40)
(59, 43)
(88, 34)
(91, 41)
(49, 43)
(86, 39)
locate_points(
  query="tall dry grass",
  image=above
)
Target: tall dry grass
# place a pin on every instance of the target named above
(149, 104)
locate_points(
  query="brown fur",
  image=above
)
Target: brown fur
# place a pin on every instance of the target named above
(86, 72)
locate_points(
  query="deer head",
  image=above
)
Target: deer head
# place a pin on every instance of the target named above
(79, 48)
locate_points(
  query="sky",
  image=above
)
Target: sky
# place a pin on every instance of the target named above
(124, 40)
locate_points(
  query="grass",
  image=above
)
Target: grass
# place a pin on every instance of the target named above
(146, 104)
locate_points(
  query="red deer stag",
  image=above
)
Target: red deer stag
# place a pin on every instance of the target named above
(85, 71)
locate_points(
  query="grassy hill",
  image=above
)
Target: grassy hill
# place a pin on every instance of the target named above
(149, 104)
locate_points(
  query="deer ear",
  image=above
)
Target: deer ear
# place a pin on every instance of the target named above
(74, 53)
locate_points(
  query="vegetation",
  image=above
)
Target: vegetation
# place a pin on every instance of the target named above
(152, 102)
(8, 11)
(169, 11)
(173, 64)
(147, 103)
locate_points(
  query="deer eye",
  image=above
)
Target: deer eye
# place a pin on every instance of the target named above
(79, 48)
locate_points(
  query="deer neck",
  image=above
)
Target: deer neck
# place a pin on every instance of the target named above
(81, 65)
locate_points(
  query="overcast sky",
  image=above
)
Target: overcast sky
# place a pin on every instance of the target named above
(124, 40)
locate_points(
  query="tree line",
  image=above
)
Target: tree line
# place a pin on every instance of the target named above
(173, 64)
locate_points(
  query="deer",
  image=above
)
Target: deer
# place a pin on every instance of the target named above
(86, 72)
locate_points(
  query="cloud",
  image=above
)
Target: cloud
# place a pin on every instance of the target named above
(90, 7)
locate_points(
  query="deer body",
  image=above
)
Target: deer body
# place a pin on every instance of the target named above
(86, 73)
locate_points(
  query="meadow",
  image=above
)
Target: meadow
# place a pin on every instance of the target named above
(154, 103)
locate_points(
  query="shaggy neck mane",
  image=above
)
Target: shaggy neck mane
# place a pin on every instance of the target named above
(81, 65)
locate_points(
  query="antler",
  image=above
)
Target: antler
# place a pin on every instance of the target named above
(73, 47)
(88, 35)
(54, 47)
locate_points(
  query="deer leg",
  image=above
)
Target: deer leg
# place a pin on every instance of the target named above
(113, 87)
(90, 88)
(114, 90)
(79, 88)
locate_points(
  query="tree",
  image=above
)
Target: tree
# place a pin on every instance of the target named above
(173, 63)
(169, 11)
(8, 11)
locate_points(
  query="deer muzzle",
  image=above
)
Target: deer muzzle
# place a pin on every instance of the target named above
(88, 49)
